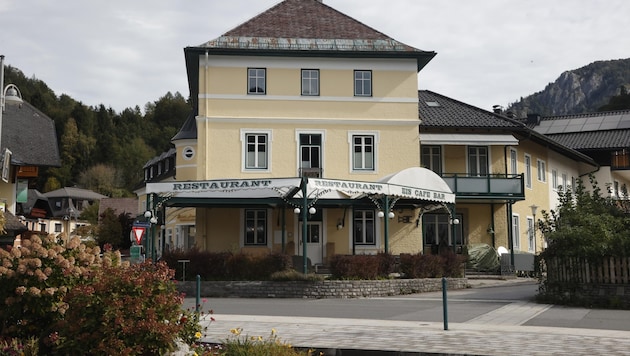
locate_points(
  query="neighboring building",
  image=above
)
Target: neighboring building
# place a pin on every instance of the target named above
(67, 204)
(23, 150)
(498, 169)
(604, 136)
(303, 100)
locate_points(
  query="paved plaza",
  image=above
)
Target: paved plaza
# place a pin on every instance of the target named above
(500, 331)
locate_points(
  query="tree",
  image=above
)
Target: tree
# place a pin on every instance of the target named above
(100, 178)
(618, 102)
(109, 230)
(587, 225)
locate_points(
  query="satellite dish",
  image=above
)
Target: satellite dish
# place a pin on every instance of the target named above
(502, 250)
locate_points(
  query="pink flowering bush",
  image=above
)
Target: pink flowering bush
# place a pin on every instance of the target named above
(74, 300)
(35, 278)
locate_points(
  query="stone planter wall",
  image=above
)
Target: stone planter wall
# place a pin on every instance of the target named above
(317, 289)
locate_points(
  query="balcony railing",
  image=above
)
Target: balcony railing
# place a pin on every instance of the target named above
(620, 160)
(311, 172)
(491, 186)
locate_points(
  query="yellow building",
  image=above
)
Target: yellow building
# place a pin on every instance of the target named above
(304, 139)
(503, 173)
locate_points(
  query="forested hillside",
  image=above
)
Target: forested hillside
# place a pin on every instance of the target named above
(577, 91)
(101, 149)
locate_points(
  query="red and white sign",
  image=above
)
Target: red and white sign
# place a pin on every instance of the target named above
(138, 233)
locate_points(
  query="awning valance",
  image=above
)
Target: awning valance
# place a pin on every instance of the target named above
(412, 183)
(467, 139)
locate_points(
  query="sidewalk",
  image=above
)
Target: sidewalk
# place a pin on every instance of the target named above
(332, 334)
(498, 332)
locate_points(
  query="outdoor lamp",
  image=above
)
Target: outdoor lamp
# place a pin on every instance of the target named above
(296, 210)
(312, 210)
(381, 214)
(147, 214)
(391, 215)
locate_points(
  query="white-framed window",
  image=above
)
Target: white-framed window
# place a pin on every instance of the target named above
(554, 179)
(256, 149)
(531, 235)
(542, 170)
(431, 158)
(616, 193)
(528, 171)
(564, 182)
(364, 227)
(57, 227)
(363, 150)
(478, 160)
(362, 83)
(310, 82)
(42, 227)
(513, 161)
(256, 81)
(255, 227)
(516, 230)
(310, 152)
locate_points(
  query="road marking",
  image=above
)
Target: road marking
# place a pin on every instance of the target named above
(517, 313)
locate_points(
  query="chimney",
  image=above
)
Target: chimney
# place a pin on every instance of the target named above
(533, 119)
(509, 114)
(497, 109)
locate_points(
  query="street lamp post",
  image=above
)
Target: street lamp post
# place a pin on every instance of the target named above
(9, 93)
(534, 208)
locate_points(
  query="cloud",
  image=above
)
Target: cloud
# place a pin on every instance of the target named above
(128, 53)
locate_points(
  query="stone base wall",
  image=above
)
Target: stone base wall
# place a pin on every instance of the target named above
(317, 289)
(615, 296)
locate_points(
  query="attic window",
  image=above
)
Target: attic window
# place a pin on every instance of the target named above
(432, 104)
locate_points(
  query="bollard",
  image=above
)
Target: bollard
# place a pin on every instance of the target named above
(198, 295)
(444, 303)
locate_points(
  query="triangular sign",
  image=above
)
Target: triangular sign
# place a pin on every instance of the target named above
(138, 232)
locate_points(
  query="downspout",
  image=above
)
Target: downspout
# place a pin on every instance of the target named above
(386, 223)
(205, 85)
(304, 222)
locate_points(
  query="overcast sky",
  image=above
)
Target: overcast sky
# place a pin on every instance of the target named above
(124, 53)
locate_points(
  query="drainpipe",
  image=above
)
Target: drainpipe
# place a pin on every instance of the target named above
(304, 222)
(386, 223)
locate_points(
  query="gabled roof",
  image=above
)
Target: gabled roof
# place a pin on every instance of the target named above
(75, 193)
(119, 206)
(439, 113)
(30, 136)
(608, 130)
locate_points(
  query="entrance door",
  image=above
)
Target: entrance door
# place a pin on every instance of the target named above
(314, 243)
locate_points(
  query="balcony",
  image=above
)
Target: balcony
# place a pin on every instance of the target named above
(491, 186)
(620, 160)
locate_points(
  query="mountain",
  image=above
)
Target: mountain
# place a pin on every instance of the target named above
(577, 91)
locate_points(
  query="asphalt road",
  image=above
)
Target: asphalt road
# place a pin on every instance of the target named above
(463, 305)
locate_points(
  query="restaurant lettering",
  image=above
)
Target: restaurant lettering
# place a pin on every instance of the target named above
(221, 185)
(423, 194)
(372, 187)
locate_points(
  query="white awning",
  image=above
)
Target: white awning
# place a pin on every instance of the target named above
(467, 139)
(227, 188)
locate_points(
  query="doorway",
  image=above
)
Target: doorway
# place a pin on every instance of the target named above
(314, 244)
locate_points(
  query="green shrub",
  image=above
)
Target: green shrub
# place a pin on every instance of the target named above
(35, 279)
(130, 310)
(226, 265)
(244, 345)
(355, 267)
(15, 347)
(293, 275)
(421, 266)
